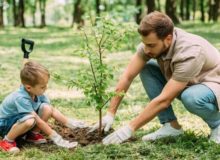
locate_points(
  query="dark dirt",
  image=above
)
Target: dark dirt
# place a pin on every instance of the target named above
(80, 135)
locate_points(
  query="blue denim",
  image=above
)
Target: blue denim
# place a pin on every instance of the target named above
(197, 99)
(201, 101)
(7, 123)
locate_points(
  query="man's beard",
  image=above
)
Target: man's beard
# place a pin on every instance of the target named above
(164, 51)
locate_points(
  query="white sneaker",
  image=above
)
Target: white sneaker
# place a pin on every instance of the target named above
(165, 131)
(215, 135)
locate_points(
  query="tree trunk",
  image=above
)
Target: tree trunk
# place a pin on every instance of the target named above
(194, 9)
(21, 13)
(1, 14)
(15, 13)
(202, 10)
(216, 10)
(77, 14)
(187, 9)
(100, 123)
(33, 13)
(42, 10)
(182, 13)
(97, 8)
(158, 5)
(171, 10)
(138, 15)
(150, 6)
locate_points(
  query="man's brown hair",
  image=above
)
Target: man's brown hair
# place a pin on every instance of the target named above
(32, 73)
(158, 23)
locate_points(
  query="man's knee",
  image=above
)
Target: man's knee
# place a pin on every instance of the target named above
(190, 101)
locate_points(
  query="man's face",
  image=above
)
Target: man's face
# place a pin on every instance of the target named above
(154, 46)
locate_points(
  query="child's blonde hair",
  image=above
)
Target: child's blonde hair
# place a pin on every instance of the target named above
(32, 73)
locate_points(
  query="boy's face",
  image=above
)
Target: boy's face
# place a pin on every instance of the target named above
(38, 89)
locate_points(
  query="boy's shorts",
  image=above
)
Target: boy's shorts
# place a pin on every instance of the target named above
(7, 123)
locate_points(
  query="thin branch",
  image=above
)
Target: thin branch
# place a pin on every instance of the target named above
(90, 62)
(106, 102)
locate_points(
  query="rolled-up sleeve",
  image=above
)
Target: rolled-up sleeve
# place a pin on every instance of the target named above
(44, 99)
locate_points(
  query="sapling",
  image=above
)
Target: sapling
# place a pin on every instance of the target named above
(99, 39)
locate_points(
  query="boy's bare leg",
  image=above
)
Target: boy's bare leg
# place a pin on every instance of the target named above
(58, 116)
(20, 128)
(48, 112)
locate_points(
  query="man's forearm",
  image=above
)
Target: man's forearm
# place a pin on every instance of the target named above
(122, 86)
(150, 111)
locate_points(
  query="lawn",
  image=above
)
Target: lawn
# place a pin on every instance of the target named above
(56, 48)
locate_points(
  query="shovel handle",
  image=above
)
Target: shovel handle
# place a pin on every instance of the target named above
(27, 51)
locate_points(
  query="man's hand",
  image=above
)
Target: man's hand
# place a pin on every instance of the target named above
(59, 141)
(107, 122)
(73, 124)
(118, 136)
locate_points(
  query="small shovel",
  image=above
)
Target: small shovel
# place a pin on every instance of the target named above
(27, 47)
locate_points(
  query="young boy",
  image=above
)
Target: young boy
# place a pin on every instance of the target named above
(26, 111)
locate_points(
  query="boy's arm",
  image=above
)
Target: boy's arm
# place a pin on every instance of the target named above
(42, 125)
(53, 135)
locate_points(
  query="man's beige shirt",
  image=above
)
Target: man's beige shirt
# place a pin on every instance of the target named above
(190, 59)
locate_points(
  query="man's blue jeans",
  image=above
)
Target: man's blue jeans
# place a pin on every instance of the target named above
(197, 99)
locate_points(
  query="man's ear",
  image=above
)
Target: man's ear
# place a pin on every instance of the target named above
(168, 40)
(27, 87)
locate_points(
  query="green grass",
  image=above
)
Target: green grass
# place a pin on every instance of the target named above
(56, 48)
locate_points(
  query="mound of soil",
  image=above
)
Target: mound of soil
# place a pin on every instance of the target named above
(82, 136)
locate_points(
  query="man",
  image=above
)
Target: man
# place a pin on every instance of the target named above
(187, 68)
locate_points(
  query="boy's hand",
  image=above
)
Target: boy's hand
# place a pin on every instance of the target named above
(73, 123)
(58, 140)
(119, 136)
(107, 122)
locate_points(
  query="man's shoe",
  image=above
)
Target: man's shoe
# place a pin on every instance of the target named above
(9, 147)
(166, 131)
(215, 135)
(35, 138)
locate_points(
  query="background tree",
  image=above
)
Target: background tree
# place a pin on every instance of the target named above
(78, 12)
(170, 9)
(21, 9)
(187, 9)
(158, 5)
(213, 10)
(202, 10)
(32, 5)
(194, 9)
(42, 5)
(97, 6)
(1, 14)
(150, 5)
(139, 11)
(15, 13)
